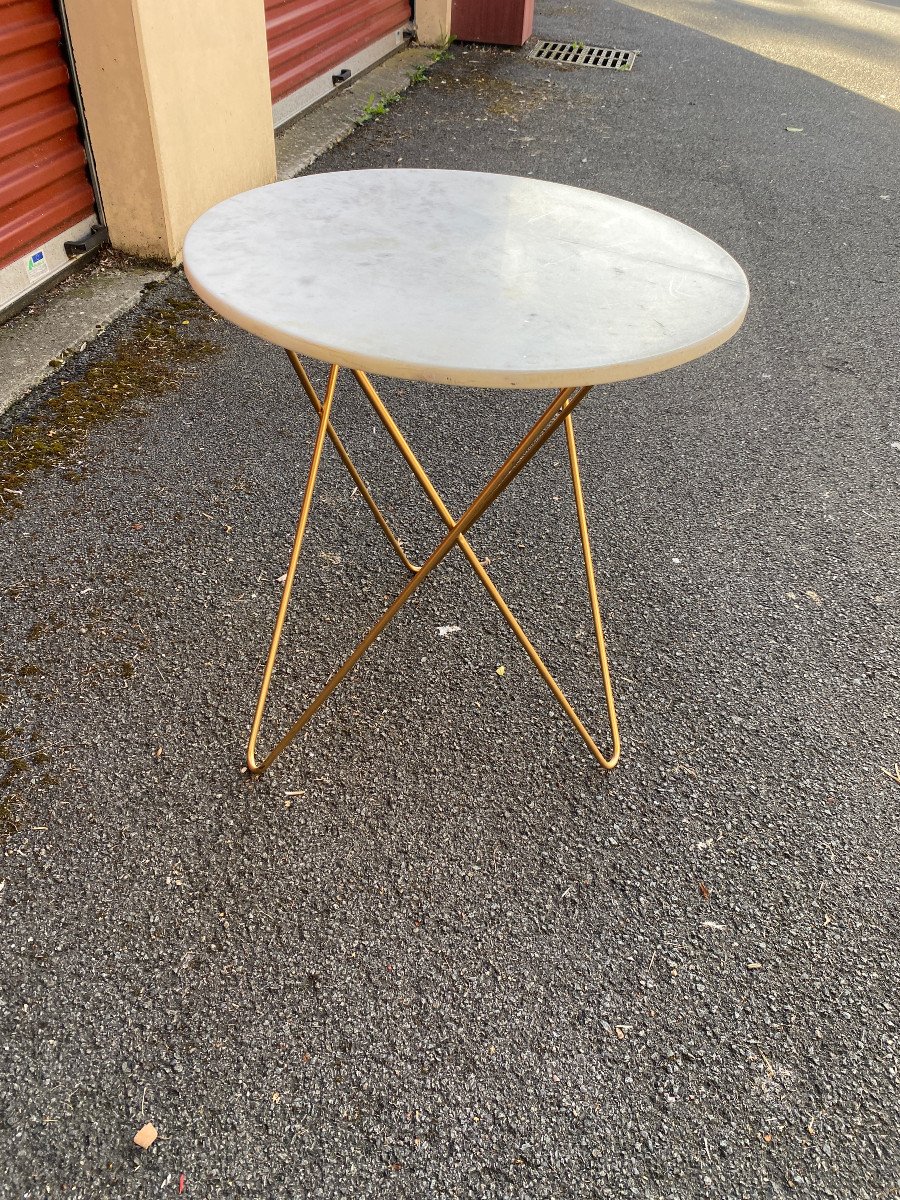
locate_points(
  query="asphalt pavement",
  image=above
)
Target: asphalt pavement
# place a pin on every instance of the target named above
(437, 951)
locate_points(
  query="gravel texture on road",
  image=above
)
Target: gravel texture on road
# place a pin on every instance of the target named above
(436, 951)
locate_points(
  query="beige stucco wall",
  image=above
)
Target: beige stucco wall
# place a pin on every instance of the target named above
(433, 21)
(177, 104)
(105, 47)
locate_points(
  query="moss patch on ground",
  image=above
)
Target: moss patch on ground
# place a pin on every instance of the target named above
(20, 753)
(146, 363)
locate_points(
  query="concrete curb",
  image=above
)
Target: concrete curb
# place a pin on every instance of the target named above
(61, 322)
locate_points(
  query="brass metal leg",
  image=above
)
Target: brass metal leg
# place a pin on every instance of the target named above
(558, 412)
(595, 607)
(324, 419)
(427, 486)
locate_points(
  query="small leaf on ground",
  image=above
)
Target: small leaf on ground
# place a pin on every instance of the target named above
(146, 1136)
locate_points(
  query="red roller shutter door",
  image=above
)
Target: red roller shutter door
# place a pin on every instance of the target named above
(44, 187)
(308, 38)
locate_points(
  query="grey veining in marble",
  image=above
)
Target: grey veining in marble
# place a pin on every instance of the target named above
(466, 278)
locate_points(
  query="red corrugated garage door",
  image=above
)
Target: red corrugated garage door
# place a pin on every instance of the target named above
(308, 38)
(44, 187)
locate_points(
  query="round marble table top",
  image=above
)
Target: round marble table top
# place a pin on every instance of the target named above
(465, 278)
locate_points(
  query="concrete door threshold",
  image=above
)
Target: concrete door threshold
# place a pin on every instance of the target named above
(327, 123)
(34, 343)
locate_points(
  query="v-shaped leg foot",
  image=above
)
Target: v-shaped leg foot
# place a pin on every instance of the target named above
(253, 764)
(610, 762)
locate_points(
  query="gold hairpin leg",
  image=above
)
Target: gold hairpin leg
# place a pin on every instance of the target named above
(432, 494)
(558, 412)
(595, 606)
(318, 446)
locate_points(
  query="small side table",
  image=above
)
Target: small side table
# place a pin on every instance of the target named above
(465, 279)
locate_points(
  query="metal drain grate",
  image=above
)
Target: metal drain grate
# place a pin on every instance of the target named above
(576, 54)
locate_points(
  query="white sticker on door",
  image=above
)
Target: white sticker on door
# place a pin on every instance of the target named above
(36, 265)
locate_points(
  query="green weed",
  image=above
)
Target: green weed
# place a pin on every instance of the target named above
(377, 106)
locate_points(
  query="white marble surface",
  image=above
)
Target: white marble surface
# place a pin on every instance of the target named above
(466, 278)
